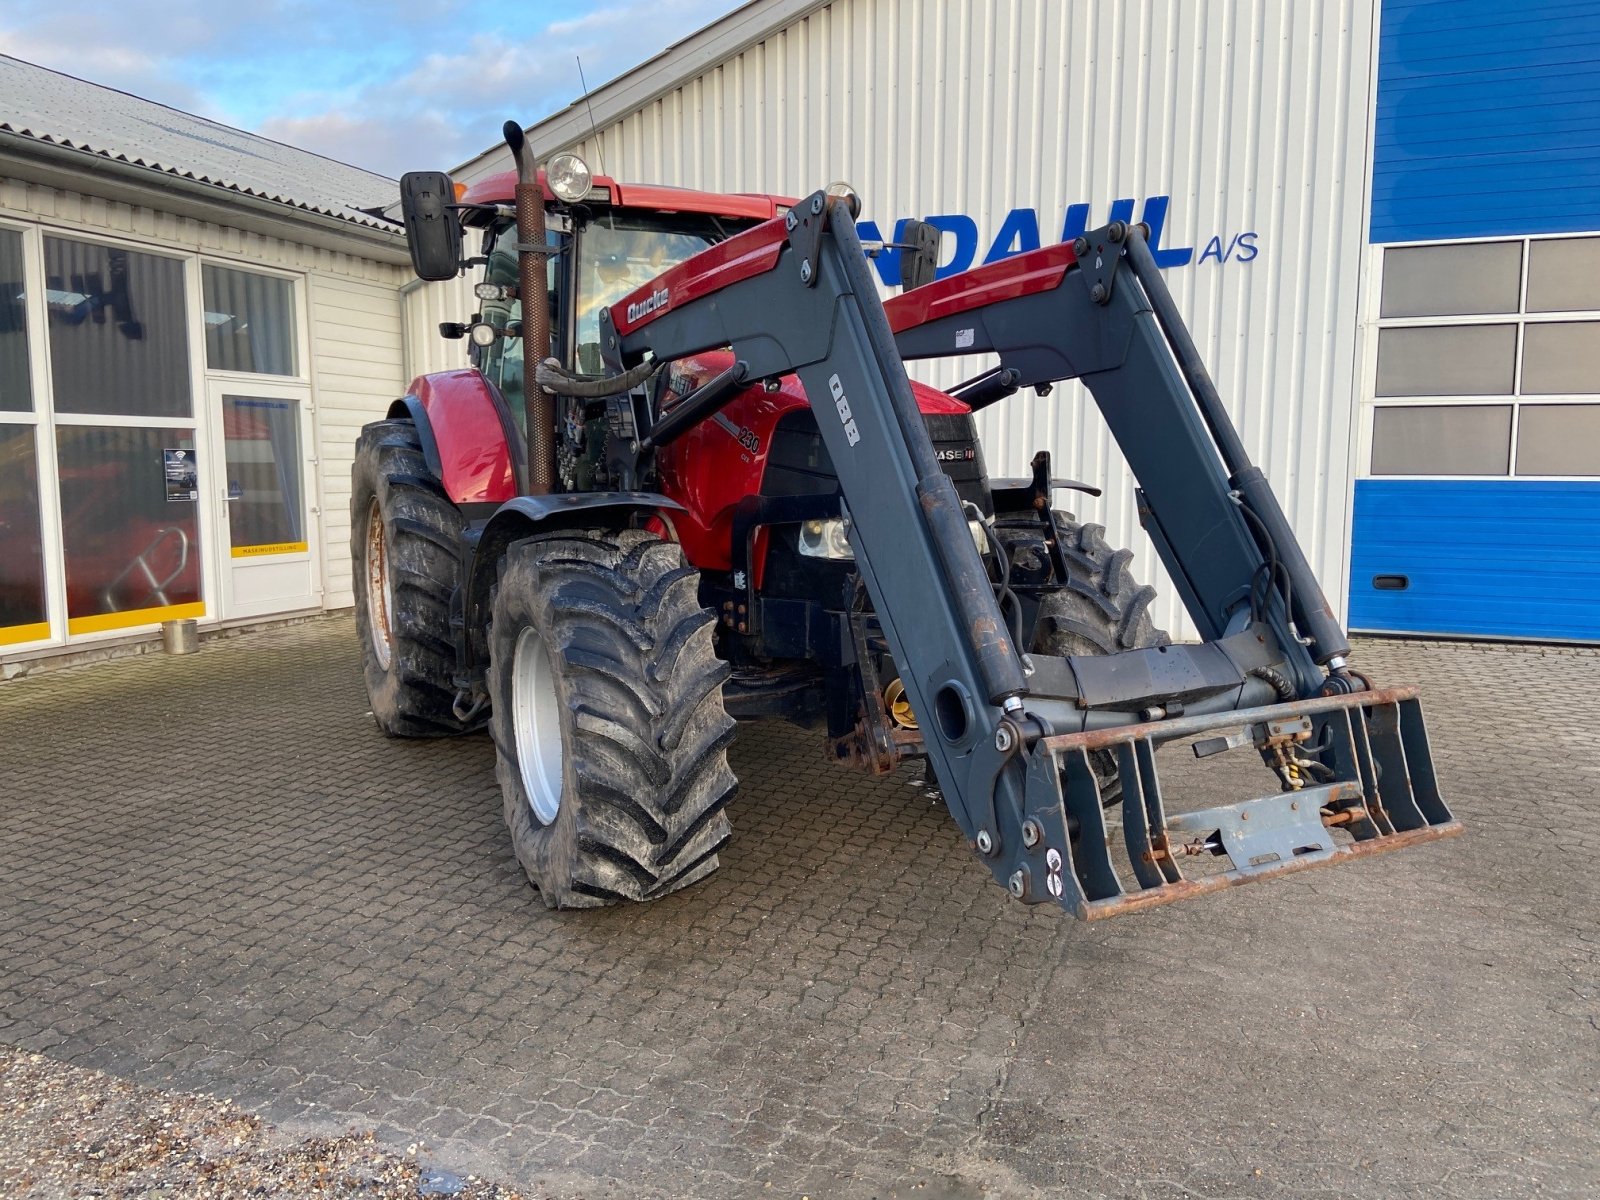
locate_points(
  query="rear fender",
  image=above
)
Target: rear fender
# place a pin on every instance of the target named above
(469, 439)
(525, 516)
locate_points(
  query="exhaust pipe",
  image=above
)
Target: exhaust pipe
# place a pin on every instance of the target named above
(533, 287)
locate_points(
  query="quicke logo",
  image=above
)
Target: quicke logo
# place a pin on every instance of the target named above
(658, 300)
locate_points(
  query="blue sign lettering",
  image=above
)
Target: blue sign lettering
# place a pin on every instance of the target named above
(1019, 232)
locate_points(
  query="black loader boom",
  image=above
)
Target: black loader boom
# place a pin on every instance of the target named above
(1010, 736)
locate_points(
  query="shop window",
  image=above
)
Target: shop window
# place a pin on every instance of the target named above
(118, 339)
(1563, 275)
(249, 322)
(1446, 439)
(1447, 360)
(265, 512)
(1558, 439)
(16, 393)
(129, 525)
(22, 599)
(1450, 281)
(1561, 358)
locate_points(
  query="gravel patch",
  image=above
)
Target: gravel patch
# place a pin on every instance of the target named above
(65, 1131)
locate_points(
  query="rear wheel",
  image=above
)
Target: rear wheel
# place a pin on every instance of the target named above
(404, 539)
(1102, 609)
(610, 732)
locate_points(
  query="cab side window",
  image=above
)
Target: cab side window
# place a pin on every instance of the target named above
(501, 363)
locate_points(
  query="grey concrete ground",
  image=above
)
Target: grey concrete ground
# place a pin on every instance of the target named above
(216, 875)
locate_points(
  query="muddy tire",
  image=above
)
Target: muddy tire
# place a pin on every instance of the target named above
(1102, 610)
(404, 533)
(610, 733)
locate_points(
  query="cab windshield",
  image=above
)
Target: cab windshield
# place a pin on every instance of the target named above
(617, 254)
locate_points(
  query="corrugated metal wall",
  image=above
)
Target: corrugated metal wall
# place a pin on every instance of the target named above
(1250, 114)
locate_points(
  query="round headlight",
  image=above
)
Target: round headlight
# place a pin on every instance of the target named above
(568, 177)
(483, 334)
(843, 191)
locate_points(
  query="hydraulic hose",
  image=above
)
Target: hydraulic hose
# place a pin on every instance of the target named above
(551, 376)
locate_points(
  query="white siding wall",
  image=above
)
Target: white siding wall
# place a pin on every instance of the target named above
(1250, 114)
(425, 305)
(354, 321)
(356, 362)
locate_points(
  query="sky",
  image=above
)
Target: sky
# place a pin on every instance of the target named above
(397, 86)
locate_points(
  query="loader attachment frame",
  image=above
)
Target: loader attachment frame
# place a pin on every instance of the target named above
(1007, 735)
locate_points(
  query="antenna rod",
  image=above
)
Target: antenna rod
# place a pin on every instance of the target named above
(594, 130)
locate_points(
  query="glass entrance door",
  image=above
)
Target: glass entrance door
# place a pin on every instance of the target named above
(264, 475)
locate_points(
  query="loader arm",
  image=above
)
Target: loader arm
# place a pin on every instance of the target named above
(1007, 736)
(1110, 322)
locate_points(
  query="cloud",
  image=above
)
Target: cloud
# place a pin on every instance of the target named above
(391, 87)
(428, 141)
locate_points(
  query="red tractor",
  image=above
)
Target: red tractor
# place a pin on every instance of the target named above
(721, 498)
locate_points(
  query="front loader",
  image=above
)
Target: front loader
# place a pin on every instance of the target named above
(1010, 735)
(722, 498)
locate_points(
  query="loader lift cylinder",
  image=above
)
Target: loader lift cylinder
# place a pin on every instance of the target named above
(1311, 610)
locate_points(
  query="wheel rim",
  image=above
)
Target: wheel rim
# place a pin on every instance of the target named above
(536, 714)
(380, 591)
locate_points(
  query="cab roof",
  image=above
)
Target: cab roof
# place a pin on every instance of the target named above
(500, 188)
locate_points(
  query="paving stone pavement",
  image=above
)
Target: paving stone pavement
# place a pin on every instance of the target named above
(216, 875)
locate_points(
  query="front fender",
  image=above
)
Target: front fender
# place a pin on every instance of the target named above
(469, 439)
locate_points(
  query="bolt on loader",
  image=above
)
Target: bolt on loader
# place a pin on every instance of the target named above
(721, 497)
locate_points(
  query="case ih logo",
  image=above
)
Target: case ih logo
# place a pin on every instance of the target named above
(658, 300)
(963, 455)
(1022, 231)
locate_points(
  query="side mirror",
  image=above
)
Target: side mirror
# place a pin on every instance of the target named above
(433, 234)
(919, 253)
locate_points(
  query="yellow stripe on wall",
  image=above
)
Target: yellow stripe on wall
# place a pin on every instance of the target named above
(10, 635)
(271, 548)
(135, 616)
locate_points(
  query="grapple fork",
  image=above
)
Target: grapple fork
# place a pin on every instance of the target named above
(1379, 793)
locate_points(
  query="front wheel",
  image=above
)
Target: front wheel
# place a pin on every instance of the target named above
(610, 733)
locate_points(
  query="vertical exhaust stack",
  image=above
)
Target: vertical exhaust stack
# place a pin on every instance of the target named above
(533, 287)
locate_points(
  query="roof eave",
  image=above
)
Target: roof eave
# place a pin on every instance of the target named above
(75, 170)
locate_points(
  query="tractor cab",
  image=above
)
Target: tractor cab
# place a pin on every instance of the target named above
(606, 239)
(602, 240)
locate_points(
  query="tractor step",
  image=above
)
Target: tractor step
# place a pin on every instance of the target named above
(1357, 778)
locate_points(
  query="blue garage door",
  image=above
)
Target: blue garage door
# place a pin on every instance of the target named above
(1505, 558)
(1488, 115)
(1479, 508)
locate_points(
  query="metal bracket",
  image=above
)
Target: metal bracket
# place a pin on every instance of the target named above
(1098, 252)
(1273, 829)
(806, 223)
